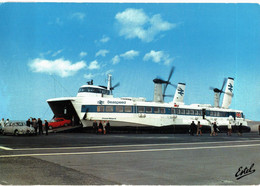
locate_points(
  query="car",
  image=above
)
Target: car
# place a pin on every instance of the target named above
(59, 122)
(17, 128)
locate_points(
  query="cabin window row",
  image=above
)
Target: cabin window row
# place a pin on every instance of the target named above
(160, 110)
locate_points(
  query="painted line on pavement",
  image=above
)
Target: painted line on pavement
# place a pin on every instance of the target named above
(139, 145)
(128, 151)
(5, 148)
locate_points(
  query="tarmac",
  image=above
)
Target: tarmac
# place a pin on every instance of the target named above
(131, 159)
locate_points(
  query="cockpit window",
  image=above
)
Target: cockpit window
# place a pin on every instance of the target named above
(93, 90)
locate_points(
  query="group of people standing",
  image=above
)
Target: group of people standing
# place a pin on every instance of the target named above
(100, 128)
(3, 123)
(194, 128)
(38, 125)
(214, 129)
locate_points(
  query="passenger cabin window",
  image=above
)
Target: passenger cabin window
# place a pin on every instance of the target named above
(156, 110)
(182, 111)
(149, 110)
(141, 109)
(119, 109)
(128, 109)
(94, 90)
(109, 109)
(162, 110)
(100, 108)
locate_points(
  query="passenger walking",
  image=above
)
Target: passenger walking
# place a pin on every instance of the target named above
(192, 128)
(100, 127)
(46, 126)
(40, 126)
(229, 128)
(215, 128)
(199, 127)
(95, 127)
(107, 128)
(240, 129)
(212, 129)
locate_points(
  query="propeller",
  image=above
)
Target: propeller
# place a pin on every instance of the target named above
(111, 88)
(168, 81)
(161, 81)
(220, 91)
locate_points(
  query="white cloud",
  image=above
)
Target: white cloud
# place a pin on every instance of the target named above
(104, 39)
(130, 54)
(134, 23)
(78, 15)
(88, 76)
(94, 65)
(115, 59)
(102, 53)
(158, 57)
(56, 53)
(83, 54)
(60, 67)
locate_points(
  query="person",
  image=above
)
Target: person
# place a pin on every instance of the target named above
(107, 128)
(46, 126)
(2, 125)
(7, 122)
(259, 129)
(192, 128)
(100, 127)
(199, 126)
(229, 128)
(95, 127)
(34, 124)
(240, 127)
(28, 123)
(212, 129)
(40, 126)
(215, 128)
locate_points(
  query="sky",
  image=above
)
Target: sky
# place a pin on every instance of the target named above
(49, 50)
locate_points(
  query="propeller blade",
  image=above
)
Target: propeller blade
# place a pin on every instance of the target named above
(116, 85)
(171, 72)
(224, 82)
(173, 85)
(168, 96)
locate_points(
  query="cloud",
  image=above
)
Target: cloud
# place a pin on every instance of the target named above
(158, 57)
(115, 59)
(89, 76)
(94, 65)
(58, 21)
(102, 53)
(134, 23)
(59, 67)
(127, 55)
(130, 54)
(56, 53)
(104, 39)
(78, 15)
(83, 54)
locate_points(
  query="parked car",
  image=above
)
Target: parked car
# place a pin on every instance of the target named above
(17, 128)
(59, 122)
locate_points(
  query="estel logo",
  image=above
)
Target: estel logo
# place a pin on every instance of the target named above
(100, 102)
(230, 87)
(181, 91)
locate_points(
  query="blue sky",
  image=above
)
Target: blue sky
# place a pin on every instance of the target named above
(49, 50)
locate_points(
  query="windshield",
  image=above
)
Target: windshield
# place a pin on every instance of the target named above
(93, 90)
